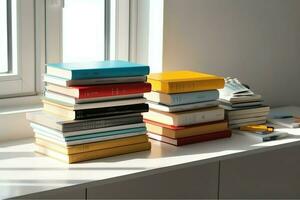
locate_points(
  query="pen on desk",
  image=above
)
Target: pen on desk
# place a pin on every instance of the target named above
(257, 128)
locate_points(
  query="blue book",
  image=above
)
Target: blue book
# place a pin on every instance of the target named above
(94, 70)
(182, 98)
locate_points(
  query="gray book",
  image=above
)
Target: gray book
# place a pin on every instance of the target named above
(60, 124)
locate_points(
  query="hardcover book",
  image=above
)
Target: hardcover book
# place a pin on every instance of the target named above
(84, 82)
(93, 91)
(85, 139)
(185, 131)
(184, 81)
(63, 125)
(95, 70)
(178, 108)
(95, 113)
(91, 146)
(86, 132)
(102, 153)
(72, 100)
(186, 117)
(182, 98)
(93, 105)
(192, 139)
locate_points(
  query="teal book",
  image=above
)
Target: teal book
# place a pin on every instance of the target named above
(94, 70)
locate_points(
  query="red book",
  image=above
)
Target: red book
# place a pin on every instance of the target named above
(94, 91)
(192, 139)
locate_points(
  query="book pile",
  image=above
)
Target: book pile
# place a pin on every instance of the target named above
(243, 107)
(92, 110)
(184, 108)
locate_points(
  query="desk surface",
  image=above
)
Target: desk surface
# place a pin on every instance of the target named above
(24, 172)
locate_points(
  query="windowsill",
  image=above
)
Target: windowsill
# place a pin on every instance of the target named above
(39, 173)
(13, 121)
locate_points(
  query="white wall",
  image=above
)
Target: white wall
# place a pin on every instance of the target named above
(257, 41)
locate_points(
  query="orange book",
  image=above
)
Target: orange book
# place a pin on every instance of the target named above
(185, 131)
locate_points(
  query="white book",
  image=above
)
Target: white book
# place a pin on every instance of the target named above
(247, 123)
(102, 104)
(285, 116)
(244, 111)
(72, 100)
(60, 134)
(186, 117)
(254, 119)
(41, 135)
(285, 122)
(193, 106)
(182, 98)
(263, 137)
(66, 83)
(250, 115)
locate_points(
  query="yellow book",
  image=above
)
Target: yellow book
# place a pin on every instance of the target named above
(184, 81)
(59, 110)
(74, 149)
(79, 157)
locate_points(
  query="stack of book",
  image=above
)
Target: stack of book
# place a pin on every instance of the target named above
(243, 107)
(92, 110)
(184, 108)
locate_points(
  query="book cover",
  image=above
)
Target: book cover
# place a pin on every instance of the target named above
(95, 113)
(192, 139)
(99, 81)
(93, 91)
(58, 123)
(72, 100)
(79, 157)
(186, 117)
(93, 105)
(91, 146)
(182, 98)
(94, 70)
(185, 107)
(184, 81)
(185, 131)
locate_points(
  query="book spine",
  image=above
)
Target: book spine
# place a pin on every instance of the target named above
(203, 138)
(203, 117)
(176, 87)
(102, 123)
(178, 99)
(110, 111)
(115, 90)
(109, 73)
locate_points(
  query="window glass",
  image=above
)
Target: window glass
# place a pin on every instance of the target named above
(83, 30)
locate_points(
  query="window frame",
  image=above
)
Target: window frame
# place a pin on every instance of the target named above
(19, 82)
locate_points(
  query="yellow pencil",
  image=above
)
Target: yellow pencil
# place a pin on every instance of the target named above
(257, 128)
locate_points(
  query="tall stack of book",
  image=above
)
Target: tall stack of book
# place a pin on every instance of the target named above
(243, 107)
(92, 110)
(184, 108)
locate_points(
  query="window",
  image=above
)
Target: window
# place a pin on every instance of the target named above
(4, 36)
(34, 33)
(83, 30)
(17, 48)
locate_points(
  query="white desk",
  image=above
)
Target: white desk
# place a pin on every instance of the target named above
(23, 172)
